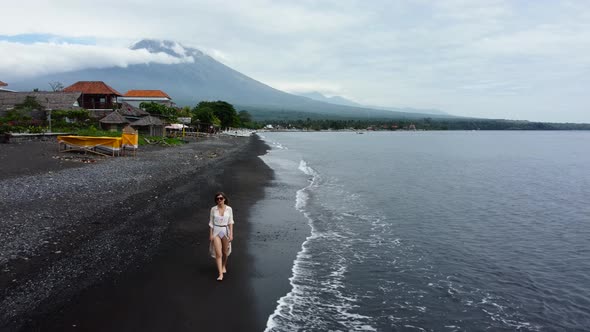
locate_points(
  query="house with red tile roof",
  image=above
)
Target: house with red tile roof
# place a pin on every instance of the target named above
(96, 96)
(136, 97)
(3, 89)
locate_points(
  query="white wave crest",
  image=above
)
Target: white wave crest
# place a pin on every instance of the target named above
(301, 200)
(306, 169)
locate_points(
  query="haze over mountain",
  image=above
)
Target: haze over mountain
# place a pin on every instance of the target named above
(332, 100)
(338, 100)
(199, 77)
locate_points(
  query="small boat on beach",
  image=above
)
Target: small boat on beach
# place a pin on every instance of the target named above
(239, 132)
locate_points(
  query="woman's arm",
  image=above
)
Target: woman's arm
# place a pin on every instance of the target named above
(231, 224)
(211, 216)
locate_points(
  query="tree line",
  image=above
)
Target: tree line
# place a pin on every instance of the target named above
(217, 113)
(223, 115)
(421, 124)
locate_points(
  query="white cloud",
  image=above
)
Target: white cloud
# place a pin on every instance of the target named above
(45, 58)
(544, 40)
(218, 55)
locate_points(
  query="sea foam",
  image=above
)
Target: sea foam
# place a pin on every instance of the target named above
(310, 292)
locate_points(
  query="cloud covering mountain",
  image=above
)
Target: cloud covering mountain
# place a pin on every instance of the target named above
(43, 58)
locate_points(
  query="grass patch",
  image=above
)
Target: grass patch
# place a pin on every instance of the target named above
(98, 133)
(168, 141)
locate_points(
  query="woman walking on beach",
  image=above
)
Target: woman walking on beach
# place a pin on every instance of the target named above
(221, 232)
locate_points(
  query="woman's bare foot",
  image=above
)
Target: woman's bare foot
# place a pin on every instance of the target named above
(224, 270)
(220, 278)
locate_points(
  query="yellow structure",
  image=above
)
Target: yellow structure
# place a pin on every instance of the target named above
(96, 145)
(130, 139)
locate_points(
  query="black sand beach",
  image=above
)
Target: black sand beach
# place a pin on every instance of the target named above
(127, 251)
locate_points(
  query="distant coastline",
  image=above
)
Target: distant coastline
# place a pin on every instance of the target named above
(318, 124)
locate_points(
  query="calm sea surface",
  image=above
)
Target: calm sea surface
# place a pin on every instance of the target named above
(436, 231)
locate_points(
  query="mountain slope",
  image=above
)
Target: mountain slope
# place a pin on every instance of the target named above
(332, 100)
(203, 79)
(343, 101)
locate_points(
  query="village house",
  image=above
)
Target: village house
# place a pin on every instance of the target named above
(131, 112)
(149, 126)
(136, 97)
(3, 87)
(113, 110)
(113, 122)
(96, 96)
(48, 100)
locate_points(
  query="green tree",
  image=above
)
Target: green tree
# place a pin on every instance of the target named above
(22, 111)
(70, 119)
(184, 112)
(245, 117)
(226, 114)
(30, 103)
(203, 113)
(158, 109)
(216, 112)
(19, 119)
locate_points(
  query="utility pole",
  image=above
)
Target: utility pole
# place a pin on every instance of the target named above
(49, 119)
(48, 114)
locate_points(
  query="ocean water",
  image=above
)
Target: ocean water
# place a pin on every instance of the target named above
(434, 231)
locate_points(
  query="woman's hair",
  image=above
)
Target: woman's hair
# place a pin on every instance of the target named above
(220, 193)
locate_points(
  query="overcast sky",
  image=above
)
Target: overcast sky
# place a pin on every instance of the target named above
(485, 58)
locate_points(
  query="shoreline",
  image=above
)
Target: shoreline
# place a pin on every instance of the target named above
(138, 262)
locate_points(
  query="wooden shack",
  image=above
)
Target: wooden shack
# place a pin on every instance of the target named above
(113, 122)
(149, 126)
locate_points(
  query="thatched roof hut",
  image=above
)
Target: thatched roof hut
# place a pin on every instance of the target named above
(114, 118)
(113, 121)
(149, 125)
(148, 121)
(131, 112)
(49, 101)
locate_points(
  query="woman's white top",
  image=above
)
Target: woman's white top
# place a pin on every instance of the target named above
(220, 225)
(216, 219)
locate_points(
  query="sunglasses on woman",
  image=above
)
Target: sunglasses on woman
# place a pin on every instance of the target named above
(219, 198)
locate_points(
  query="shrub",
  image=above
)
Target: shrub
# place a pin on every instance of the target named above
(35, 129)
(92, 131)
(160, 140)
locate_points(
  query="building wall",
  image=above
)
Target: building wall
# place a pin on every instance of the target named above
(91, 102)
(135, 101)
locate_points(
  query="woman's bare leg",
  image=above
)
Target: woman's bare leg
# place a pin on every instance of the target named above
(225, 244)
(218, 256)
